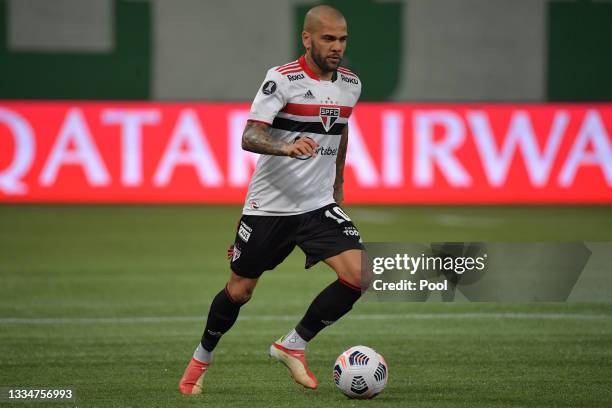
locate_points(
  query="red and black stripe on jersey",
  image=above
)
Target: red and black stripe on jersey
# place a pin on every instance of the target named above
(302, 119)
(346, 71)
(290, 67)
(306, 127)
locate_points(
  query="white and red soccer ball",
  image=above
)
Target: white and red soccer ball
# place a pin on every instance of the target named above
(360, 372)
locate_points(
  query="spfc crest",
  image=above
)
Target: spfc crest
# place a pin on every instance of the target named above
(328, 116)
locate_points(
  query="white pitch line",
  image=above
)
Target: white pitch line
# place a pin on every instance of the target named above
(389, 316)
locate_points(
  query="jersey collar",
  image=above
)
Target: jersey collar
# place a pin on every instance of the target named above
(311, 73)
(306, 68)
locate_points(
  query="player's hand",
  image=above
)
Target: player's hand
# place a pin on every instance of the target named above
(303, 147)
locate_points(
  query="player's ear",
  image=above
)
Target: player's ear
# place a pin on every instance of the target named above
(306, 39)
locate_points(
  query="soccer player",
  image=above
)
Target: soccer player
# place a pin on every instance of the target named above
(299, 125)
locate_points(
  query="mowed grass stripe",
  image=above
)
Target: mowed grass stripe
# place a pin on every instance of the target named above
(390, 316)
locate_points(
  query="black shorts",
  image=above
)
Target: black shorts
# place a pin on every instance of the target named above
(262, 242)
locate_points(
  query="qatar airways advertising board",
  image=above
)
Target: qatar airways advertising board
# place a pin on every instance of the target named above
(398, 153)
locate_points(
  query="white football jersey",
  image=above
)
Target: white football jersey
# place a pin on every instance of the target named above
(296, 103)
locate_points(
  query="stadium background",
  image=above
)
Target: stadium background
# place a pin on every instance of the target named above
(109, 299)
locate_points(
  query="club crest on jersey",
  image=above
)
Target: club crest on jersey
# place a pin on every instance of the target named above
(328, 117)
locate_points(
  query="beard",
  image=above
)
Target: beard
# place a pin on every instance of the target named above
(321, 62)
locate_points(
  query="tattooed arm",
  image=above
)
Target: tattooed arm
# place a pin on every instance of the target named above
(256, 138)
(338, 190)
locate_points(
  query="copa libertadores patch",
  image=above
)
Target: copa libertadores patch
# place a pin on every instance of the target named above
(269, 88)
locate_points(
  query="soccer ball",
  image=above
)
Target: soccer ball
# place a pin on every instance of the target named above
(360, 372)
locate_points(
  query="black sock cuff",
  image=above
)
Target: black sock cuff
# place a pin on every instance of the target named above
(208, 344)
(304, 332)
(349, 285)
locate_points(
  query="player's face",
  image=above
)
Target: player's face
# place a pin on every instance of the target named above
(328, 44)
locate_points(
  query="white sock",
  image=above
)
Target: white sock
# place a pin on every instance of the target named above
(203, 355)
(293, 341)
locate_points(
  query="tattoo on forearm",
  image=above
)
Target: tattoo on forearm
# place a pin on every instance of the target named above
(257, 139)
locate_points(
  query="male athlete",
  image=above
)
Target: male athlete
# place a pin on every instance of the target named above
(298, 123)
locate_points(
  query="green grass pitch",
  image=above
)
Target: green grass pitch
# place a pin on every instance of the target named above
(110, 301)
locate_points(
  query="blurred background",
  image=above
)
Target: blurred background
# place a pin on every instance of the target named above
(403, 50)
(122, 179)
(519, 91)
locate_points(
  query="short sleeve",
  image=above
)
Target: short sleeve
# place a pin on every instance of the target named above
(270, 98)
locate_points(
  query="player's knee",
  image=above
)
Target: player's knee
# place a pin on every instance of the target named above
(241, 289)
(352, 275)
(347, 266)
